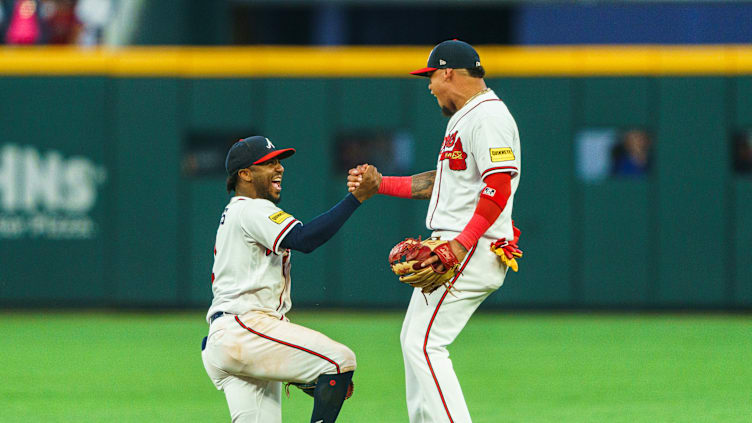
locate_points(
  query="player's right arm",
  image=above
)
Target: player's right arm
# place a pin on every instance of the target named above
(266, 224)
(308, 237)
(421, 185)
(417, 187)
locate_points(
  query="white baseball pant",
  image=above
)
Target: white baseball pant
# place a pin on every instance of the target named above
(433, 391)
(249, 356)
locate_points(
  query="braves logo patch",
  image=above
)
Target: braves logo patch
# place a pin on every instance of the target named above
(449, 140)
(455, 156)
(279, 217)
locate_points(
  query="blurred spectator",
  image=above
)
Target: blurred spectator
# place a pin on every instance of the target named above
(94, 16)
(631, 156)
(23, 26)
(743, 153)
(59, 21)
(55, 21)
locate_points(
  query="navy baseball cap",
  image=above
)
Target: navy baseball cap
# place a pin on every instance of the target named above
(454, 54)
(253, 150)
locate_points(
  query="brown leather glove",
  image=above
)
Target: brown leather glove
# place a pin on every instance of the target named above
(407, 256)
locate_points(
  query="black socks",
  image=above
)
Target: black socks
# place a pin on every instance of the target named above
(329, 395)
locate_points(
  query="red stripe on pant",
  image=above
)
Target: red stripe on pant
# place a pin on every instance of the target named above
(237, 319)
(425, 341)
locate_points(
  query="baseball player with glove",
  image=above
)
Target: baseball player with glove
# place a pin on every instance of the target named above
(473, 242)
(252, 347)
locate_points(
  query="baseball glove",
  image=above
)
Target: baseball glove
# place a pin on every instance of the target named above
(508, 251)
(406, 257)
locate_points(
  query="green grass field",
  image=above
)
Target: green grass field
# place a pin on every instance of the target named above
(514, 367)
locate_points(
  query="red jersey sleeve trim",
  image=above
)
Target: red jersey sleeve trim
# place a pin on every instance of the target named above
(499, 169)
(283, 233)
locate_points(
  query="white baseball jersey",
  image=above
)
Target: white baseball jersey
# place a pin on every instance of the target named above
(481, 139)
(251, 271)
(253, 347)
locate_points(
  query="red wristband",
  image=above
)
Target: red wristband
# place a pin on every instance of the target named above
(397, 186)
(477, 226)
(492, 201)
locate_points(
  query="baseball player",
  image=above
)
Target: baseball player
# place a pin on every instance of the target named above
(252, 347)
(471, 195)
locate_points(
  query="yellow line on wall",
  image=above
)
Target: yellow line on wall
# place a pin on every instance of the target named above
(337, 62)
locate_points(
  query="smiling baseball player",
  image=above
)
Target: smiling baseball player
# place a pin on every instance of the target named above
(471, 196)
(252, 347)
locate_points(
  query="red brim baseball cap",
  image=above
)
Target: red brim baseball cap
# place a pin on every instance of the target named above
(278, 154)
(454, 54)
(423, 72)
(252, 151)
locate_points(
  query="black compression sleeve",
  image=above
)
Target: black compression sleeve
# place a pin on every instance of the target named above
(308, 237)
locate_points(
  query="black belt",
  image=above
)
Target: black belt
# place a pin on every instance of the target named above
(215, 316)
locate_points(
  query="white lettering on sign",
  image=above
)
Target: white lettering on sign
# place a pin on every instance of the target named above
(45, 195)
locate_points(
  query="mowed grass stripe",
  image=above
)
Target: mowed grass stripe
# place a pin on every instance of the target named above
(127, 367)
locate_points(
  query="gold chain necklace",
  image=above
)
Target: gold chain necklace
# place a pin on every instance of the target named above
(481, 92)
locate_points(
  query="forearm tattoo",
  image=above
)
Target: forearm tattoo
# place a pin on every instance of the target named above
(422, 185)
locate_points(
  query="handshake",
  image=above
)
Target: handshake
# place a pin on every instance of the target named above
(363, 181)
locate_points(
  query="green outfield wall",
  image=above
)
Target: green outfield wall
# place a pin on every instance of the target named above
(97, 209)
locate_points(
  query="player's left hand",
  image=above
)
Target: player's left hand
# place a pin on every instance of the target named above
(370, 178)
(407, 257)
(459, 251)
(355, 176)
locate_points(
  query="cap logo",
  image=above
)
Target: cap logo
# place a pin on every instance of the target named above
(269, 144)
(442, 62)
(477, 63)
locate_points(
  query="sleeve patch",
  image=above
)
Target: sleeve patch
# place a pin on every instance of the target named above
(279, 217)
(501, 154)
(489, 191)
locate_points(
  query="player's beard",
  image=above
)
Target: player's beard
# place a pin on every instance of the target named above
(263, 190)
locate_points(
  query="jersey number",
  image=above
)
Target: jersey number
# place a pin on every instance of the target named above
(222, 220)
